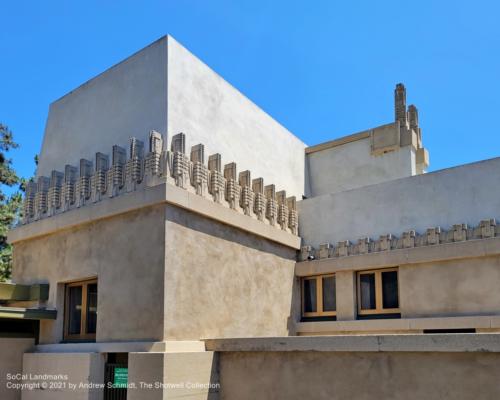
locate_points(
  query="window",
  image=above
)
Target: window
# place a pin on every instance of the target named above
(318, 296)
(80, 310)
(378, 292)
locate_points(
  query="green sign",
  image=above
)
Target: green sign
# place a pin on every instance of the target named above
(121, 377)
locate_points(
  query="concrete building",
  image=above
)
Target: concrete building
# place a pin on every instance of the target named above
(180, 243)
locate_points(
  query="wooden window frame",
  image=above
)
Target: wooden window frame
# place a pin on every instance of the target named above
(83, 323)
(319, 297)
(379, 309)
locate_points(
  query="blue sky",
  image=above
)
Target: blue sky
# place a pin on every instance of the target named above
(324, 69)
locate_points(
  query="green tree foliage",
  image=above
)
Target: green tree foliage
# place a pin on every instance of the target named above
(10, 206)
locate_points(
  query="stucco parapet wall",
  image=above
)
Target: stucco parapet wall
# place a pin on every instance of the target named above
(363, 343)
(416, 255)
(100, 189)
(160, 194)
(433, 238)
(399, 324)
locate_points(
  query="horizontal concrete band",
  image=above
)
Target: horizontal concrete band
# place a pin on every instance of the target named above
(163, 193)
(366, 343)
(172, 346)
(338, 142)
(392, 258)
(472, 322)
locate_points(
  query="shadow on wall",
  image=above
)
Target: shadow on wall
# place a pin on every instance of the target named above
(295, 308)
(213, 228)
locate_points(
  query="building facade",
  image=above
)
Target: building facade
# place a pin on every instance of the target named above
(179, 243)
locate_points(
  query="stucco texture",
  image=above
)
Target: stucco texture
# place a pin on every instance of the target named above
(129, 99)
(358, 375)
(81, 369)
(450, 288)
(354, 166)
(221, 282)
(125, 252)
(210, 111)
(11, 362)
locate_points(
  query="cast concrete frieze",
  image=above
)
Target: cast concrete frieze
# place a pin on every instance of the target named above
(434, 236)
(112, 176)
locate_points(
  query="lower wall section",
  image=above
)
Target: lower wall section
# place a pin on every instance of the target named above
(188, 375)
(157, 376)
(359, 375)
(11, 365)
(63, 376)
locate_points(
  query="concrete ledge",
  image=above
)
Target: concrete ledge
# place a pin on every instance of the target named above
(403, 324)
(366, 343)
(338, 142)
(159, 194)
(173, 346)
(415, 255)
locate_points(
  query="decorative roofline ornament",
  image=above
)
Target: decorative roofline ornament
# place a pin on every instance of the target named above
(486, 229)
(93, 182)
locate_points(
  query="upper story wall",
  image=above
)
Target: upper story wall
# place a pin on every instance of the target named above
(165, 88)
(464, 194)
(129, 99)
(211, 111)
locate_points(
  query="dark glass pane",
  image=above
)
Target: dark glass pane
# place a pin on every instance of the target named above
(310, 295)
(91, 307)
(367, 288)
(75, 310)
(329, 300)
(390, 289)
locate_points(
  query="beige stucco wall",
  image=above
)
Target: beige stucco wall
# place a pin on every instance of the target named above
(125, 252)
(355, 166)
(358, 375)
(462, 194)
(221, 282)
(128, 99)
(211, 111)
(450, 288)
(11, 362)
(78, 369)
(192, 376)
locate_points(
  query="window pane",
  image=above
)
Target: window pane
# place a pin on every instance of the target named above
(91, 308)
(310, 295)
(75, 310)
(367, 288)
(390, 289)
(329, 301)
